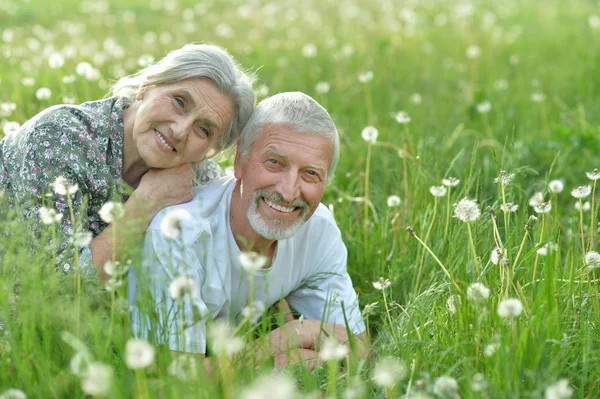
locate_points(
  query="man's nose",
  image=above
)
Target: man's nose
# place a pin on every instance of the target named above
(289, 186)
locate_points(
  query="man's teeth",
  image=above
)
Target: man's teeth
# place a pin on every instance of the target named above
(280, 208)
(162, 141)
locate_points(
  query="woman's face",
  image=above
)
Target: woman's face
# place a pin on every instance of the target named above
(178, 122)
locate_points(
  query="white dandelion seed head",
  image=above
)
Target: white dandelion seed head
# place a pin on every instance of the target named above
(504, 177)
(594, 22)
(509, 308)
(499, 256)
(43, 93)
(252, 261)
(262, 91)
(109, 268)
(388, 372)
(184, 368)
(82, 239)
(139, 353)
(501, 84)
(478, 292)
(381, 284)
(181, 286)
(559, 390)
(542, 251)
(484, 107)
(509, 207)
(271, 386)
(253, 312)
(450, 182)
(445, 386)
(593, 175)
(365, 77)
(393, 201)
(369, 134)
(170, 225)
(111, 211)
(585, 207)
(96, 380)
(416, 98)
(473, 52)
(62, 187)
(13, 394)
(581, 191)
(452, 302)
(592, 260)
(11, 127)
(543, 207)
(322, 88)
(537, 198)
(49, 215)
(478, 383)
(438, 191)
(490, 350)
(309, 50)
(538, 97)
(556, 186)
(56, 60)
(467, 210)
(332, 350)
(402, 117)
(222, 340)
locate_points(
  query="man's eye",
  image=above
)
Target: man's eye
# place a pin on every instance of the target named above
(273, 161)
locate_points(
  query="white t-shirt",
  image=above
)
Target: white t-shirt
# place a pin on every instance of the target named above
(308, 269)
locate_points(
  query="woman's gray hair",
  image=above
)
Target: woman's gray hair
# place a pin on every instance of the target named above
(199, 61)
(297, 110)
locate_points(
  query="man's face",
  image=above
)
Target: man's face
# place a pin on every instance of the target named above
(283, 179)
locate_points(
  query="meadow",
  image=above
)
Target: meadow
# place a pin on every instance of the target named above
(465, 193)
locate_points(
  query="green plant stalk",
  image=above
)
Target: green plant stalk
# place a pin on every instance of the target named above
(545, 120)
(425, 240)
(473, 249)
(520, 250)
(438, 262)
(389, 317)
(447, 218)
(593, 219)
(537, 255)
(506, 216)
(332, 370)
(76, 268)
(366, 202)
(140, 377)
(581, 228)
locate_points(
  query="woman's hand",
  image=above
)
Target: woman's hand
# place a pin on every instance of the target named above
(160, 188)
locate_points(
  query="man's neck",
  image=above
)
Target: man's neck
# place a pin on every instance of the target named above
(246, 238)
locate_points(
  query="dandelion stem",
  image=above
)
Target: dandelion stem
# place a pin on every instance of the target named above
(140, 377)
(366, 203)
(425, 240)
(447, 217)
(593, 219)
(76, 267)
(412, 233)
(506, 216)
(581, 227)
(473, 249)
(520, 249)
(332, 369)
(537, 255)
(389, 317)
(545, 120)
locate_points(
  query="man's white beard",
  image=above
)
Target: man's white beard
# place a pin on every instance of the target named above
(275, 229)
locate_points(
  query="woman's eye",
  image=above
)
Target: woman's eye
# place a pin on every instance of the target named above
(179, 101)
(203, 132)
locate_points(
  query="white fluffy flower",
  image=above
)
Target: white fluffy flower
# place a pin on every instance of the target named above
(139, 353)
(381, 284)
(111, 211)
(97, 380)
(388, 372)
(445, 386)
(62, 187)
(222, 340)
(254, 311)
(402, 117)
(438, 191)
(489, 350)
(504, 177)
(11, 127)
(452, 302)
(252, 261)
(478, 292)
(365, 77)
(536, 199)
(584, 207)
(556, 186)
(467, 210)
(82, 238)
(393, 201)
(184, 368)
(593, 175)
(43, 93)
(581, 191)
(278, 386)
(509, 207)
(49, 215)
(543, 207)
(322, 88)
(450, 182)
(181, 286)
(559, 390)
(333, 350)
(369, 134)
(473, 52)
(484, 107)
(170, 225)
(538, 97)
(510, 307)
(499, 256)
(13, 394)
(592, 260)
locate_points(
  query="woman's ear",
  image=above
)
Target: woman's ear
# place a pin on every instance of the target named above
(140, 94)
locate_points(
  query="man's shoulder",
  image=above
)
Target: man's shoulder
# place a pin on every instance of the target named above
(208, 207)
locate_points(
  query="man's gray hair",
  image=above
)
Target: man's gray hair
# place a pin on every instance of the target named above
(297, 110)
(199, 61)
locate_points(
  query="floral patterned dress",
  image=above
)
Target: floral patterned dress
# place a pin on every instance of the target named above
(84, 144)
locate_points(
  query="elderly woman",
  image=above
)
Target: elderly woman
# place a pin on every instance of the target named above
(152, 134)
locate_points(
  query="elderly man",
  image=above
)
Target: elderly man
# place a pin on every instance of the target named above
(286, 156)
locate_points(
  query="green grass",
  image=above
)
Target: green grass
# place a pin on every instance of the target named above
(556, 337)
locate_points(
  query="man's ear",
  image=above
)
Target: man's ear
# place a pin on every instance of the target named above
(237, 165)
